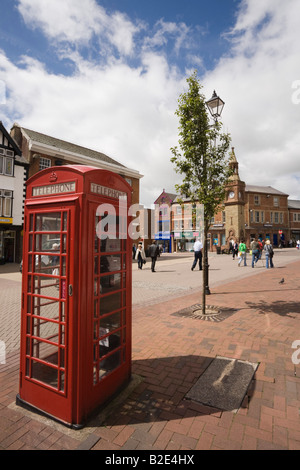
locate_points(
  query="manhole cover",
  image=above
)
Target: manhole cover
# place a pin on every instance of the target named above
(223, 384)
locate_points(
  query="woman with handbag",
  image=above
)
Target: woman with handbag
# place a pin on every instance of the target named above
(269, 254)
(140, 255)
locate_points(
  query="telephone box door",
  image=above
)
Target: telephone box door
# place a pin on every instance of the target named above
(47, 310)
(109, 332)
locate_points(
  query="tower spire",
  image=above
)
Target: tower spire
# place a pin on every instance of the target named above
(234, 165)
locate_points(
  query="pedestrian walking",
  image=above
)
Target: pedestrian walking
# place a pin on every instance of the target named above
(153, 253)
(269, 252)
(140, 256)
(242, 253)
(260, 248)
(255, 251)
(235, 249)
(198, 247)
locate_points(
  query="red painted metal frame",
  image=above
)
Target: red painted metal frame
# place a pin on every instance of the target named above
(87, 346)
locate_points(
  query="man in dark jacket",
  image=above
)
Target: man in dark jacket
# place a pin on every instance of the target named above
(153, 253)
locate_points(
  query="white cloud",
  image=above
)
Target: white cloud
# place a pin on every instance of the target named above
(128, 112)
(70, 20)
(166, 31)
(124, 112)
(255, 82)
(77, 21)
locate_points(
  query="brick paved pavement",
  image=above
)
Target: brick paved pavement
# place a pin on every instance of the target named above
(169, 354)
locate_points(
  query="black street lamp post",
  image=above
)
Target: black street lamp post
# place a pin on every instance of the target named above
(215, 106)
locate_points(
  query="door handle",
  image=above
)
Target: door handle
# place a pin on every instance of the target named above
(70, 290)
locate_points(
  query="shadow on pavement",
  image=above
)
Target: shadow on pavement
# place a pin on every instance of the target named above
(280, 307)
(161, 392)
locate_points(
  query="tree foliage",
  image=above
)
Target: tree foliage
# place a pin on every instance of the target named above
(203, 158)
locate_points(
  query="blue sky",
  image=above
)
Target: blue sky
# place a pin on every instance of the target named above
(107, 74)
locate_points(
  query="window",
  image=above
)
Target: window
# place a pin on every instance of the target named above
(276, 201)
(257, 217)
(44, 163)
(5, 203)
(6, 166)
(256, 200)
(9, 166)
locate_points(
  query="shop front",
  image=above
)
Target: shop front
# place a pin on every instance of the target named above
(10, 237)
(184, 241)
(164, 242)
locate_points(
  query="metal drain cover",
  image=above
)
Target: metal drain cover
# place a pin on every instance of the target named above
(223, 384)
(212, 313)
(208, 310)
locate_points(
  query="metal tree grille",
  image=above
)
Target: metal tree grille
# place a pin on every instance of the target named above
(46, 321)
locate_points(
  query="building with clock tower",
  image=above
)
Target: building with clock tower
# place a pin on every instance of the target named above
(248, 211)
(235, 204)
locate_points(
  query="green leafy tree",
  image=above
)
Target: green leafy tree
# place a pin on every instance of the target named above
(202, 160)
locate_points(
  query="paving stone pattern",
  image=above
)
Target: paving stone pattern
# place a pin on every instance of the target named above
(169, 355)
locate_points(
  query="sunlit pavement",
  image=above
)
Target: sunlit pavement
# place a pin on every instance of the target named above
(171, 351)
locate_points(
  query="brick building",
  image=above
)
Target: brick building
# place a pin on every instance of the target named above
(248, 211)
(162, 220)
(43, 151)
(294, 220)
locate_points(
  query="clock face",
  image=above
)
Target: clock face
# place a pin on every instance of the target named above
(231, 194)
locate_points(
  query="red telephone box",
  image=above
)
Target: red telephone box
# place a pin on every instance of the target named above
(76, 292)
